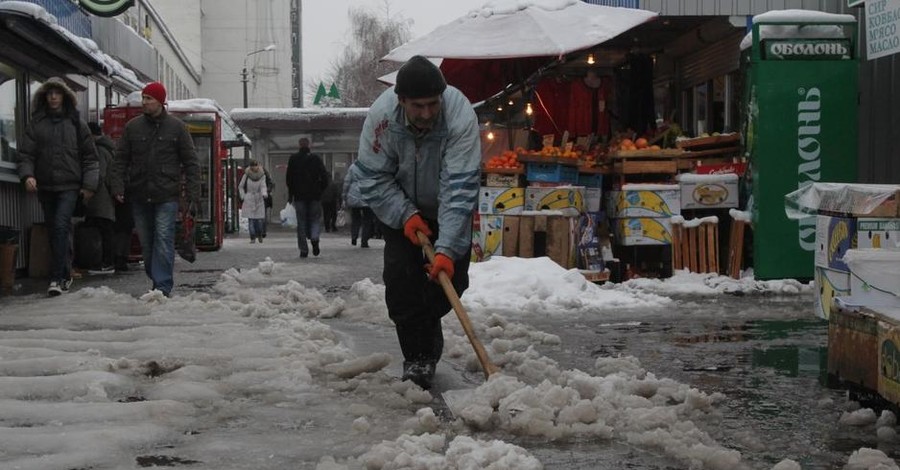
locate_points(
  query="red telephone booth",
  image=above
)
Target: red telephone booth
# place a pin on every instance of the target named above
(203, 118)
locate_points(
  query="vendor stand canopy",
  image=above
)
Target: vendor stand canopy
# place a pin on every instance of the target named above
(506, 41)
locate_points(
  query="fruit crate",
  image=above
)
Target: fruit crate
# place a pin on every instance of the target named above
(551, 173)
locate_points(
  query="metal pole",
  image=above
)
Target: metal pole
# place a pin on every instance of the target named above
(244, 80)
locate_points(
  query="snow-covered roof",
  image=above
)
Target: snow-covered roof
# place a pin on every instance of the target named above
(112, 67)
(779, 24)
(846, 198)
(285, 118)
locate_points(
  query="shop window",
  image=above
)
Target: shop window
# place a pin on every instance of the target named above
(701, 109)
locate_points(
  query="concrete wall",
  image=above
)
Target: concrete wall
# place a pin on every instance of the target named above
(231, 29)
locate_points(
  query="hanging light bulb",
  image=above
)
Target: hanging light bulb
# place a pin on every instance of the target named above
(590, 59)
(500, 107)
(528, 109)
(510, 102)
(490, 135)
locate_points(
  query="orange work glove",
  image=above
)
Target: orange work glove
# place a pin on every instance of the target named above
(415, 224)
(443, 263)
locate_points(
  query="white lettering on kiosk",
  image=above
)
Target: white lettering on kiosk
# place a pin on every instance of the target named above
(809, 149)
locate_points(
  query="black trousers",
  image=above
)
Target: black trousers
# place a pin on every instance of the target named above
(416, 304)
(329, 216)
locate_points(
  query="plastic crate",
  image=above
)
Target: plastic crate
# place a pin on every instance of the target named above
(551, 173)
(590, 180)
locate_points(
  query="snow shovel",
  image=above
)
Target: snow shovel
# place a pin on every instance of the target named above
(486, 365)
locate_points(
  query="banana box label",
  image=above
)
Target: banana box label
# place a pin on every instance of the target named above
(829, 284)
(491, 235)
(497, 201)
(879, 233)
(709, 195)
(889, 361)
(643, 231)
(559, 198)
(477, 242)
(645, 202)
(834, 236)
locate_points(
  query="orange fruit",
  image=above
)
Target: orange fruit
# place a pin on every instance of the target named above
(641, 143)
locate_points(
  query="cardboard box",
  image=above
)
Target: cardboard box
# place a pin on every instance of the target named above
(853, 347)
(829, 284)
(874, 277)
(557, 198)
(834, 236)
(883, 233)
(592, 199)
(477, 244)
(889, 361)
(654, 201)
(497, 201)
(643, 231)
(708, 191)
(491, 235)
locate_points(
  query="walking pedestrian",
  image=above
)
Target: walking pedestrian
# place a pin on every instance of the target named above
(331, 201)
(100, 211)
(270, 186)
(361, 217)
(253, 192)
(419, 171)
(58, 160)
(306, 180)
(154, 153)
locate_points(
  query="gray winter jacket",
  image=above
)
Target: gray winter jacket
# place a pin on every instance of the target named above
(102, 204)
(57, 149)
(352, 196)
(437, 175)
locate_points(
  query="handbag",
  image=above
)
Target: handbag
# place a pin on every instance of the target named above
(184, 237)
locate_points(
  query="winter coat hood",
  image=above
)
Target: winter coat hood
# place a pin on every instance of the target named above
(70, 100)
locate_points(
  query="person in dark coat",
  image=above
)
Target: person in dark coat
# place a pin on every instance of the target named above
(100, 212)
(306, 180)
(58, 160)
(331, 202)
(154, 154)
(362, 219)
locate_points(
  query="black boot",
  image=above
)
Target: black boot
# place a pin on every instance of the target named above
(315, 247)
(420, 373)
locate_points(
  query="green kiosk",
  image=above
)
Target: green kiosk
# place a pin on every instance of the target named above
(800, 127)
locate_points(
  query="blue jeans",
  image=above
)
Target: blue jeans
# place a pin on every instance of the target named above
(155, 224)
(257, 228)
(309, 222)
(58, 207)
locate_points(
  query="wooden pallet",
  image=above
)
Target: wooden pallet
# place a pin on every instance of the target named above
(724, 140)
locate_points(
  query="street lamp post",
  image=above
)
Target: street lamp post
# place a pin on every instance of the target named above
(244, 74)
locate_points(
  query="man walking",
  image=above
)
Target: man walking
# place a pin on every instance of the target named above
(154, 153)
(58, 160)
(306, 180)
(419, 171)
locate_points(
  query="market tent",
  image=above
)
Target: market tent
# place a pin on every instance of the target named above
(506, 41)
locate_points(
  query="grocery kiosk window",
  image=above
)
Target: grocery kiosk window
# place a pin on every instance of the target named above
(8, 109)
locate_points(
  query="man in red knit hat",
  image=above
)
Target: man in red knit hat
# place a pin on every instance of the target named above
(153, 155)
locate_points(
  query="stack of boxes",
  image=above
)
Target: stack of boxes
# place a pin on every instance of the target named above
(641, 213)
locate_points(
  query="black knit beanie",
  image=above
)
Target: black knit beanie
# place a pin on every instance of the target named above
(419, 78)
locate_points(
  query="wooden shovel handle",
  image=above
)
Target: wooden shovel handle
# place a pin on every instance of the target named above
(486, 365)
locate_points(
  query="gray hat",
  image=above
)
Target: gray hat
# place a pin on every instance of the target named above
(419, 78)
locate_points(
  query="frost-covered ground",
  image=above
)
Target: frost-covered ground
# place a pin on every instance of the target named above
(265, 373)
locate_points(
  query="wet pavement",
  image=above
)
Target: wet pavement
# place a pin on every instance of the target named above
(766, 354)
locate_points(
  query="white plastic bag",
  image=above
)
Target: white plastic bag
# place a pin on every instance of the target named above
(288, 215)
(341, 219)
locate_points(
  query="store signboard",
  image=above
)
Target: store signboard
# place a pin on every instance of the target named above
(808, 49)
(106, 8)
(882, 28)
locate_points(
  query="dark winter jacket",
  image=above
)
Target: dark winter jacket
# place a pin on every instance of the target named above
(57, 149)
(306, 177)
(152, 155)
(102, 204)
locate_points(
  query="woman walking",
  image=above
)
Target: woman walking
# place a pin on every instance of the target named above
(253, 192)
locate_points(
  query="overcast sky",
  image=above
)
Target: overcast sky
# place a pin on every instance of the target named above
(325, 24)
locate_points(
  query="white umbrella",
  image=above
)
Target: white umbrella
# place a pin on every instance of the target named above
(523, 28)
